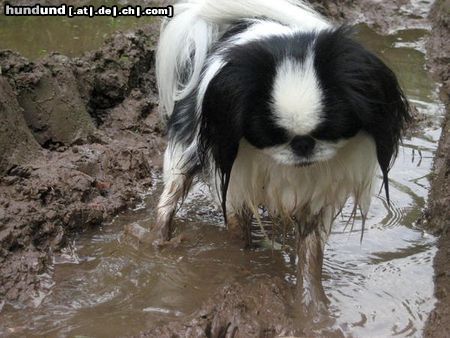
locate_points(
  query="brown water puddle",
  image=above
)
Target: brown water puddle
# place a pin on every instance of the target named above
(35, 37)
(107, 284)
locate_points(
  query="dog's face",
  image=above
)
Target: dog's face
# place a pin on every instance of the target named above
(304, 121)
(299, 107)
(300, 98)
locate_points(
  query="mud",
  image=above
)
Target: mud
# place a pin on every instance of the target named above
(81, 140)
(238, 310)
(62, 177)
(17, 142)
(437, 216)
(246, 310)
(48, 94)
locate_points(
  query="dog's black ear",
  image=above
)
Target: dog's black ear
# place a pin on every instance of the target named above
(379, 103)
(237, 105)
(386, 113)
(365, 87)
(221, 127)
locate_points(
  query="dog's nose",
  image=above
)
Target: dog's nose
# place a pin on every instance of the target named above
(303, 145)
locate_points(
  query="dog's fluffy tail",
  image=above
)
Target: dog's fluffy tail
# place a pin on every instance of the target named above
(187, 37)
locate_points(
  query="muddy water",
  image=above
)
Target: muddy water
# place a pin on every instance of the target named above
(35, 37)
(109, 284)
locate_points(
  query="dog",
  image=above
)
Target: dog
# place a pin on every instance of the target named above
(275, 107)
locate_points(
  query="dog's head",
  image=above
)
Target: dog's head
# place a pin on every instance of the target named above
(299, 99)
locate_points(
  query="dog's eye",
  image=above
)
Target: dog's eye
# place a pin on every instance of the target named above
(303, 145)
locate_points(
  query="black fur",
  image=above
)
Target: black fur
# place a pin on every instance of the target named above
(182, 123)
(359, 93)
(237, 102)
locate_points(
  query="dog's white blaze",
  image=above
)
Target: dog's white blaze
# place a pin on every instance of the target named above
(297, 98)
(260, 29)
(319, 190)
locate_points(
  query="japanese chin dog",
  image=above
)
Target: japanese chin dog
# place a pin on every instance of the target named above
(276, 107)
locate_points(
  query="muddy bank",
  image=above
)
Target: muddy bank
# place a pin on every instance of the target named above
(238, 311)
(80, 139)
(437, 216)
(246, 310)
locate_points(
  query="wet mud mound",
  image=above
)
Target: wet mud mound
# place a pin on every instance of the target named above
(251, 309)
(80, 139)
(437, 216)
(16, 140)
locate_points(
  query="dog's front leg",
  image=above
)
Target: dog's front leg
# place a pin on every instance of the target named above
(180, 167)
(239, 226)
(309, 269)
(173, 191)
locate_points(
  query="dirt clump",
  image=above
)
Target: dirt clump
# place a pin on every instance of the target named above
(16, 141)
(245, 309)
(81, 139)
(48, 94)
(108, 76)
(236, 311)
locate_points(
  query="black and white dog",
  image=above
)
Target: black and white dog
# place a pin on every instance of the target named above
(280, 109)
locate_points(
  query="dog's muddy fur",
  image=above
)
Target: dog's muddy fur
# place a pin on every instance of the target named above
(60, 177)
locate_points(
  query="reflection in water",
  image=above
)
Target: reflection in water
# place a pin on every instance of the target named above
(383, 287)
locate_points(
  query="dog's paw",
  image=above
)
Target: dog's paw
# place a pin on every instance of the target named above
(174, 242)
(137, 233)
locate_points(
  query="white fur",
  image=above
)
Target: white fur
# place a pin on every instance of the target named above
(323, 151)
(174, 178)
(177, 161)
(289, 12)
(184, 36)
(197, 24)
(297, 98)
(173, 161)
(261, 29)
(319, 190)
